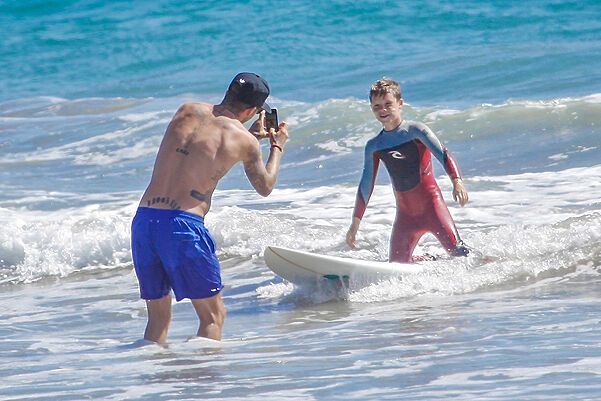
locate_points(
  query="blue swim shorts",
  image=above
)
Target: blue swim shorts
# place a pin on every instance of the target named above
(172, 249)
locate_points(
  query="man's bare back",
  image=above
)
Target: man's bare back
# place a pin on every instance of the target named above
(201, 144)
(172, 250)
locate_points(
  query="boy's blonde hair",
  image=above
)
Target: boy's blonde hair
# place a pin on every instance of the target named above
(383, 86)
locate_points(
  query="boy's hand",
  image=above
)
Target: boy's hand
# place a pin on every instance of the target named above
(459, 192)
(351, 234)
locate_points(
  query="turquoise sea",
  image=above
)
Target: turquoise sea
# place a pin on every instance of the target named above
(87, 89)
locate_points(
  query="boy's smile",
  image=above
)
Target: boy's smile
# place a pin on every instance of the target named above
(387, 110)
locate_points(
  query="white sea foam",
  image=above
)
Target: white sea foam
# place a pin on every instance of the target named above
(61, 243)
(505, 212)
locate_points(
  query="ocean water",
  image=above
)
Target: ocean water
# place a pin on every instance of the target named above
(512, 88)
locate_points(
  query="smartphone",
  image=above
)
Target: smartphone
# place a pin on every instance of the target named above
(271, 120)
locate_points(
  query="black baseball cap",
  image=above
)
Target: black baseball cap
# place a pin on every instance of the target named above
(251, 89)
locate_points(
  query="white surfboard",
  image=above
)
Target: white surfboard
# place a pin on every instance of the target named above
(304, 267)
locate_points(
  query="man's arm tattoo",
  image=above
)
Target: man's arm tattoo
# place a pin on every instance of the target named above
(218, 174)
(200, 196)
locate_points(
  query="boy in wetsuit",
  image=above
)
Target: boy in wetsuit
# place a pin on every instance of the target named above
(406, 148)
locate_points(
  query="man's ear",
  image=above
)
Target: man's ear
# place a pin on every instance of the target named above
(247, 114)
(401, 102)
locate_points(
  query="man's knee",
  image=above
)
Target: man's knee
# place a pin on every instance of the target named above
(211, 311)
(159, 309)
(217, 315)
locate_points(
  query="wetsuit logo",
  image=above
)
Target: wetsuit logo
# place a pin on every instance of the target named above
(396, 154)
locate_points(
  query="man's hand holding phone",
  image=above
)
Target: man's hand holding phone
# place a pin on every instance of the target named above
(271, 120)
(278, 132)
(278, 138)
(267, 126)
(258, 127)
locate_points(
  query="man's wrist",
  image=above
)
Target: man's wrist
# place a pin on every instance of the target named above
(274, 145)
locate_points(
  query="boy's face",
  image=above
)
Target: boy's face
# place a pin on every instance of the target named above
(387, 109)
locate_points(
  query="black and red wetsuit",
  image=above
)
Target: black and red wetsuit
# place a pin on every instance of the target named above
(406, 151)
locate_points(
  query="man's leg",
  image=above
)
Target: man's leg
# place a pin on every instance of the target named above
(211, 313)
(159, 317)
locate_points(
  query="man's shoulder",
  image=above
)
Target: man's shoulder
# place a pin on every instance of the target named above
(194, 108)
(191, 113)
(203, 114)
(232, 127)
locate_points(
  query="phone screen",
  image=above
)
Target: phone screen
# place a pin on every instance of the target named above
(271, 120)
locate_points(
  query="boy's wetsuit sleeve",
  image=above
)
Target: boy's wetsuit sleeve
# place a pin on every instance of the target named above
(368, 180)
(439, 151)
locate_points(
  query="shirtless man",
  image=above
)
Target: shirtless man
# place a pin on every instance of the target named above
(171, 248)
(406, 148)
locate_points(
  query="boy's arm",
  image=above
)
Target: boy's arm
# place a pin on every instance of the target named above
(447, 160)
(366, 187)
(439, 151)
(368, 180)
